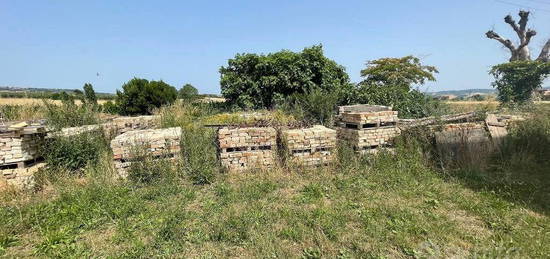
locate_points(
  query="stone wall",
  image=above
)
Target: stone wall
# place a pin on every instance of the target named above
(247, 148)
(20, 144)
(311, 146)
(132, 146)
(115, 127)
(368, 128)
(20, 178)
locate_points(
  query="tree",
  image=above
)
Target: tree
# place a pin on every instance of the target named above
(516, 81)
(139, 96)
(188, 92)
(89, 95)
(521, 52)
(390, 81)
(261, 81)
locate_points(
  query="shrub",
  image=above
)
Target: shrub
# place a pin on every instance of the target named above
(200, 162)
(139, 96)
(516, 81)
(389, 81)
(147, 169)
(74, 152)
(110, 107)
(314, 107)
(89, 95)
(188, 92)
(69, 114)
(260, 81)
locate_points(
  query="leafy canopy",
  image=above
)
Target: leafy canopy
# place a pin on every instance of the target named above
(89, 95)
(516, 81)
(140, 96)
(397, 72)
(390, 81)
(188, 92)
(261, 81)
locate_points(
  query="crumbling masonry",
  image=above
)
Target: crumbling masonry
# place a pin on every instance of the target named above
(368, 128)
(247, 148)
(133, 146)
(311, 146)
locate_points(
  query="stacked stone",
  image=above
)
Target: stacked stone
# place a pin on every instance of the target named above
(311, 146)
(368, 128)
(19, 144)
(125, 124)
(21, 178)
(114, 127)
(133, 146)
(459, 133)
(247, 148)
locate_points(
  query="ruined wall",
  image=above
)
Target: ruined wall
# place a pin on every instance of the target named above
(367, 128)
(311, 146)
(247, 148)
(113, 128)
(21, 178)
(20, 144)
(132, 146)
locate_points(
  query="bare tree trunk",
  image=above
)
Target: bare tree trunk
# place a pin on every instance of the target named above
(545, 53)
(521, 52)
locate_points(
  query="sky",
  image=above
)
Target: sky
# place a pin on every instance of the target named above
(64, 44)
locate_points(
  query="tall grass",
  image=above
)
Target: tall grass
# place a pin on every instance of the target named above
(21, 112)
(69, 114)
(394, 204)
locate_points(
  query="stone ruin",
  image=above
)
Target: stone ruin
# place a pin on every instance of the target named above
(19, 152)
(247, 148)
(114, 127)
(367, 127)
(313, 146)
(132, 146)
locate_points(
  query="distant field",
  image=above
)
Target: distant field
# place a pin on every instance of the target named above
(467, 106)
(33, 101)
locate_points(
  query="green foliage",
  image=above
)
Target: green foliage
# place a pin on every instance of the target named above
(516, 81)
(397, 72)
(74, 152)
(69, 114)
(188, 92)
(389, 82)
(139, 96)
(110, 107)
(313, 107)
(200, 162)
(89, 95)
(146, 169)
(261, 81)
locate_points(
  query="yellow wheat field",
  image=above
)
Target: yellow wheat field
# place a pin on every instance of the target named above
(33, 101)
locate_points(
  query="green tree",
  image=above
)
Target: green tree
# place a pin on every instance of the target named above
(390, 82)
(516, 81)
(139, 96)
(188, 92)
(89, 95)
(261, 81)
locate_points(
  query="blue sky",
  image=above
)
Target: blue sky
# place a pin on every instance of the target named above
(64, 44)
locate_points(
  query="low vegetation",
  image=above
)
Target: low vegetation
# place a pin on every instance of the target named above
(398, 204)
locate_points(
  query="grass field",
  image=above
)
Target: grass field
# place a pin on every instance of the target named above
(33, 101)
(392, 205)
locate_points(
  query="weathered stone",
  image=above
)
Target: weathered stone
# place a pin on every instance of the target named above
(247, 148)
(133, 146)
(311, 146)
(368, 127)
(20, 178)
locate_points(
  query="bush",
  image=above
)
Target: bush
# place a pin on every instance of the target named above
(110, 107)
(389, 82)
(69, 114)
(148, 169)
(74, 152)
(261, 81)
(200, 161)
(140, 96)
(314, 107)
(188, 93)
(516, 81)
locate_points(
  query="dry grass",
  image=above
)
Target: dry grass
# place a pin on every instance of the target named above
(34, 101)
